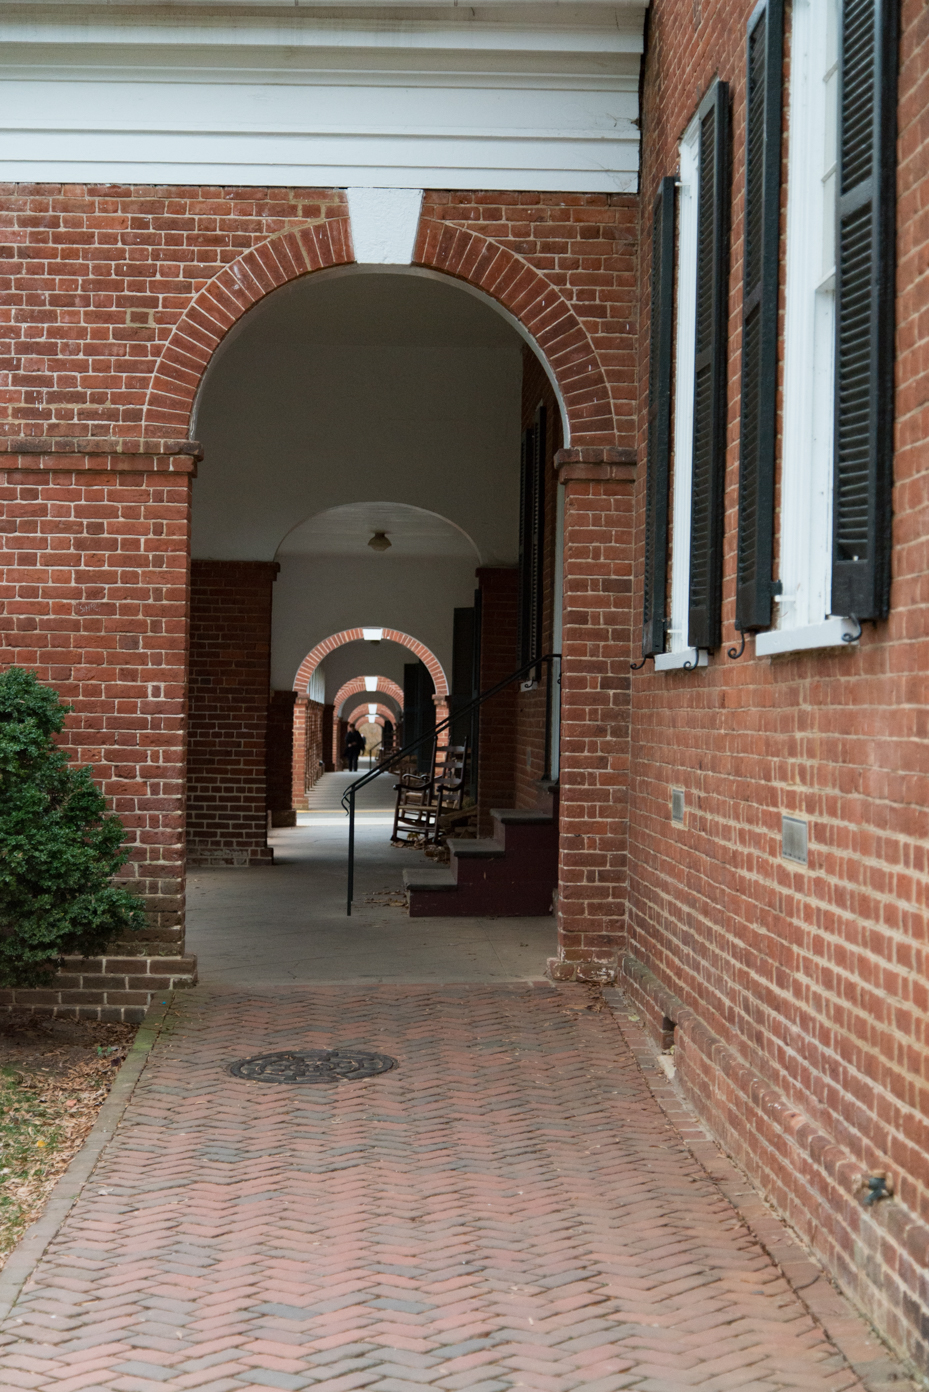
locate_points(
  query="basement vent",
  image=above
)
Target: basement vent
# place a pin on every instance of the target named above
(677, 806)
(794, 839)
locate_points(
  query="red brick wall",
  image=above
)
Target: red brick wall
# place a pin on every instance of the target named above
(315, 746)
(96, 278)
(496, 784)
(93, 597)
(586, 245)
(229, 693)
(279, 758)
(801, 992)
(597, 636)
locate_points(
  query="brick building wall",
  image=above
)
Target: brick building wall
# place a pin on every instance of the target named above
(315, 741)
(799, 993)
(584, 245)
(279, 758)
(594, 777)
(93, 597)
(229, 695)
(311, 738)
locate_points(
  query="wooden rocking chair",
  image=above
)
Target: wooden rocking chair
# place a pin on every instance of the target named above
(429, 805)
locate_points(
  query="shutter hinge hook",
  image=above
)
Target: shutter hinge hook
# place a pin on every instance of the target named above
(737, 652)
(637, 666)
(853, 637)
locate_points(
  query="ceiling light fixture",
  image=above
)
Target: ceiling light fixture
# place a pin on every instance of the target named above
(379, 542)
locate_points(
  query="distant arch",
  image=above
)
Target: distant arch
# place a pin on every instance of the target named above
(356, 635)
(361, 716)
(357, 684)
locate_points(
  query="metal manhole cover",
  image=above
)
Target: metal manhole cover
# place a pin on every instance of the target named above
(313, 1066)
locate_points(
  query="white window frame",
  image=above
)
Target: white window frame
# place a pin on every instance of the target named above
(803, 616)
(679, 654)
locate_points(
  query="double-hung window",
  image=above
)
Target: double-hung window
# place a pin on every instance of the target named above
(834, 563)
(693, 625)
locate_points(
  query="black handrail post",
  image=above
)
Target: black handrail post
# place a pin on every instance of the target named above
(351, 847)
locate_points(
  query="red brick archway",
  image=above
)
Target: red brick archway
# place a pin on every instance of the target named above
(356, 635)
(467, 255)
(357, 684)
(223, 301)
(361, 716)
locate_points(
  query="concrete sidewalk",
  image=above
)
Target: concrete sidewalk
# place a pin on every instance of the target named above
(286, 923)
(509, 1208)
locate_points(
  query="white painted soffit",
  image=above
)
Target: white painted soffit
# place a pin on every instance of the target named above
(519, 95)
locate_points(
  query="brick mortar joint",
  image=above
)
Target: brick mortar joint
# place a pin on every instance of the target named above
(821, 1149)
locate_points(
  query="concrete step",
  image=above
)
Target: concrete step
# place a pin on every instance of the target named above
(429, 881)
(483, 848)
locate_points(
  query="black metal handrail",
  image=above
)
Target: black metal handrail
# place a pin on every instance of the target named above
(348, 797)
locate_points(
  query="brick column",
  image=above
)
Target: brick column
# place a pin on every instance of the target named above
(93, 585)
(496, 770)
(279, 758)
(298, 747)
(597, 648)
(230, 666)
(327, 725)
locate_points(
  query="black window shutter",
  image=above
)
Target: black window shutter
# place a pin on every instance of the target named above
(709, 434)
(532, 538)
(754, 585)
(865, 223)
(654, 618)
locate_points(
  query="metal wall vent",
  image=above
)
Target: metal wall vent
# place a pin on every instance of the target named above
(677, 806)
(794, 839)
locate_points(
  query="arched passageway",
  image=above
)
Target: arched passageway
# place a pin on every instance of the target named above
(406, 391)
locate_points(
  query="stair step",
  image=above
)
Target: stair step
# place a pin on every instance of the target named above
(429, 880)
(522, 816)
(483, 848)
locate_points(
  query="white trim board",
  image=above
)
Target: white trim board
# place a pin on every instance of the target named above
(831, 633)
(685, 349)
(537, 99)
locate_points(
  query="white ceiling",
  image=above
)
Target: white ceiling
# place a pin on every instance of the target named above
(346, 531)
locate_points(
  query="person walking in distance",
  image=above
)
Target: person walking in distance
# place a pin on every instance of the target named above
(354, 744)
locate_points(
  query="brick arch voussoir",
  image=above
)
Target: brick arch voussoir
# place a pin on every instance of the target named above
(355, 635)
(540, 308)
(221, 303)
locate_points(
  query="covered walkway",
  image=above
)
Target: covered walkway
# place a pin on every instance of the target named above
(287, 922)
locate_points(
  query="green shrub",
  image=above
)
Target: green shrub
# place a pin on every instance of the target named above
(59, 847)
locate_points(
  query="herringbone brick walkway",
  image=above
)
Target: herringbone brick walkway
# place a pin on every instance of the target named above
(510, 1208)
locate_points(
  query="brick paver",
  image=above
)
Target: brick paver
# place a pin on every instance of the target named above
(510, 1208)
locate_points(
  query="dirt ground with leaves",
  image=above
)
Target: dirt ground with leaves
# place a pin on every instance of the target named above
(54, 1077)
